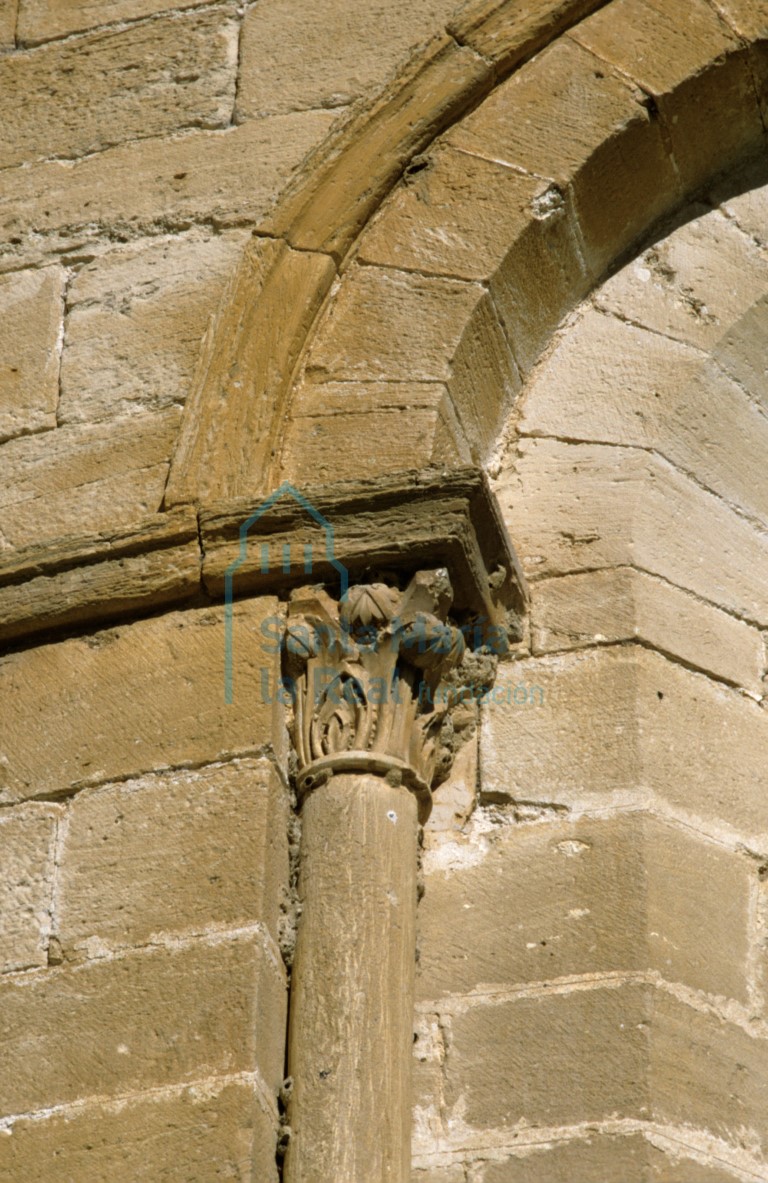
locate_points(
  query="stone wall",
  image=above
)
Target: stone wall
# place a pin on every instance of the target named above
(593, 929)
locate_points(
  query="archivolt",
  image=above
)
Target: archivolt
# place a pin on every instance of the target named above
(442, 301)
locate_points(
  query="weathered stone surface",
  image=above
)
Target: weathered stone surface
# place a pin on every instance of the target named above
(566, 116)
(576, 506)
(327, 56)
(387, 324)
(85, 479)
(81, 581)
(527, 903)
(8, 24)
(206, 1127)
(135, 320)
(710, 126)
(177, 851)
(692, 284)
(508, 33)
(543, 1059)
(360, 164)
(26, 856)
(621, 604)
(703, 939)
(613, 382)
(229, 176)
(701, 745)
(69, 98)
(593, 1158)
(44, 20)
(439, 1175)
(31, 313)
(234, 417)
(739, 352)
(672, 1165)
(615, 723)
(748, 17)
(746, 201)
(708, 1074)
(139, 697)
(414, 424)
(470, 218)
(153, 1018)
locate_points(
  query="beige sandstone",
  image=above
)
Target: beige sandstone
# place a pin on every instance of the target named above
(738, 352)
(621, 604)
(693, 284)
(157, 184)
(85, 479)
(748, 17)
(542, 1059)
(617, 722)
(174, 1138)
(509, 33)
(235, 413)
(222, 828)
(708, 1073)
(357, 167)
(470, 218)
(578, 892)
(27, 851)
(708, 130)
(295, 58)
(414, 424)
(142, 696)
(594, 1158)
(572, 507)
(150, 1019)
(44, 20)
(31, 314)
(8, 15)
(69, 98)
(605, 144)
(611, 382)
(135, 318)
(591, 896)
(157, 562)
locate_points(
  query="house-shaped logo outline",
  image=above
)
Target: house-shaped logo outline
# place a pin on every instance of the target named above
(230, 572)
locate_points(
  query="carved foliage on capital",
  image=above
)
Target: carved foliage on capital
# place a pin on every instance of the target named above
(371, 682)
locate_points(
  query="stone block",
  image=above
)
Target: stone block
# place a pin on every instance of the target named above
(701, 744)
(161, 183)
(708, 1074)
(568, 117)
(174, 852)
(528, 903)
(45, 20)
(205, 1130)
(698, 911)
(154, 1018)
(391, 325)
(136, 317)
(137, 698)
(621, 604)
(542, 1060)
(749, 18)
(613, 382)
(738, 352)
(27, 840)
(70, 97)
(693, 284)
(85, 479)
(8, 15)
(593, 1158)
(453, 1174)
(670, 53)
(328, 55)
(574, 506)
(473, 219)
(332, 423)
(574, 737)
(32, 311)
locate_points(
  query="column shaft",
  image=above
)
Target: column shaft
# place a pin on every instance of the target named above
(351, 1027)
